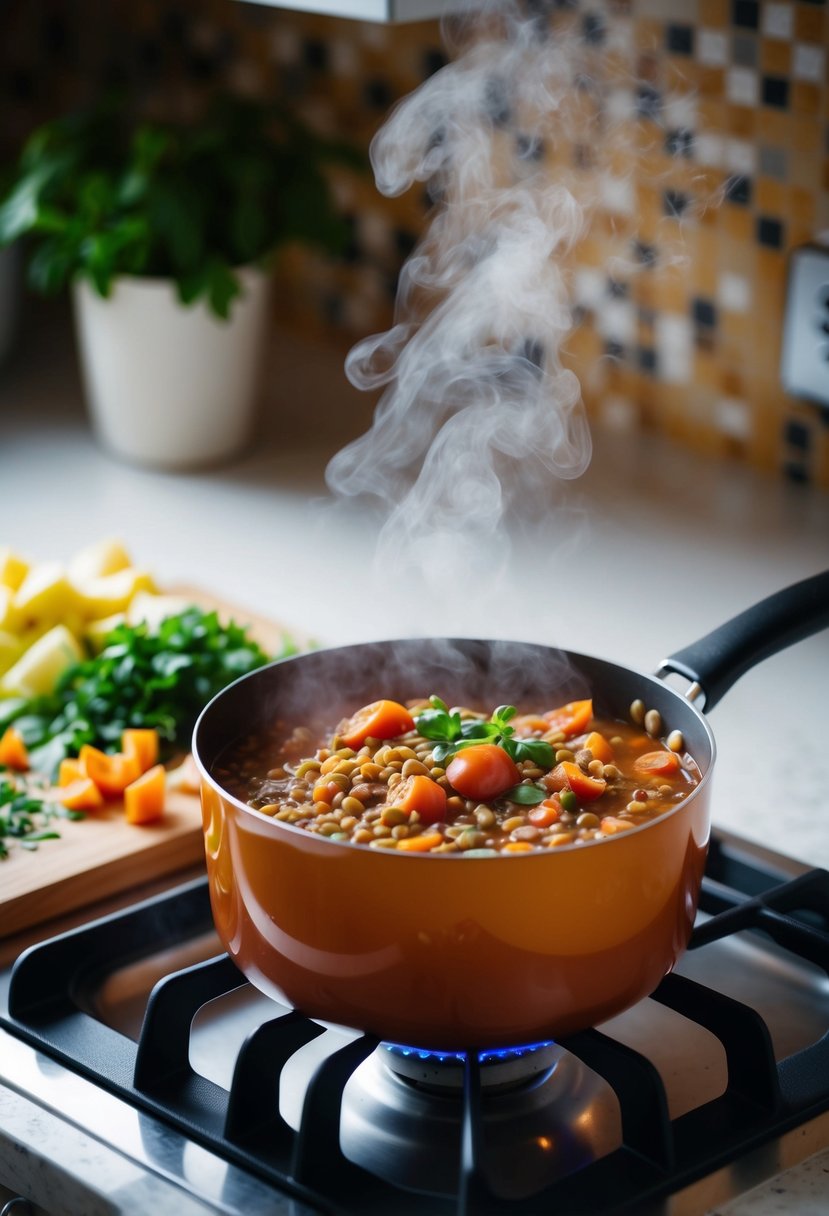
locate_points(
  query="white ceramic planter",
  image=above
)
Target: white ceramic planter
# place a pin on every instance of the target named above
(170, 386)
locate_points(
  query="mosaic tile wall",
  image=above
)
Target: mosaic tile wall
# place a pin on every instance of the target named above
(680, 282)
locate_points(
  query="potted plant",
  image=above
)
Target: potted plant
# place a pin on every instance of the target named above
(165, 232)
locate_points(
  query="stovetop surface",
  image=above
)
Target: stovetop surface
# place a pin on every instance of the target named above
(713, 1083)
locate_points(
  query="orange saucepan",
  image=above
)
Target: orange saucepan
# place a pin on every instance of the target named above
(448, 952)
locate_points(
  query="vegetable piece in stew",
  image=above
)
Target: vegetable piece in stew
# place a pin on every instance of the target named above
(425, 778)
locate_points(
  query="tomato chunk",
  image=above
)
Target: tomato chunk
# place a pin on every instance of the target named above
(584, 787)
(572, 718)
(422, 794)
(379, 720)
(482, 771)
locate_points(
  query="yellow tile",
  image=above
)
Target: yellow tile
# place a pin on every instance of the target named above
(743, 121)
(775, 56)
(809, 23)
(805, 98)
(711, 82)
(771, 197)
(737, 222)
(713, 13)
(805, 134)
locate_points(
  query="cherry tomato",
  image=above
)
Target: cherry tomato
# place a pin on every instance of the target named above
(379, 720)
(482, 771)
(422, 794)
(585, 788)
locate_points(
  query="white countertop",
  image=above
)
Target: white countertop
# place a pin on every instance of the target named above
(648, 550)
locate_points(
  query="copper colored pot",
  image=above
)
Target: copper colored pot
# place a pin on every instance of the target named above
(448, 952)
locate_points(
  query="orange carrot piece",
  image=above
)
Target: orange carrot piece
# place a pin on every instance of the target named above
(141, 742)
(379, 720)
(545, 814)
(326, 791)
(572, 718)
(13, 751)
(585, 788)
(599, 746)
(610, 825)
(111, 773)
(420, 844)
(70, 771)
(422, 794)
(518, 846)
(657, 764)
(144, 797)
(81, 795)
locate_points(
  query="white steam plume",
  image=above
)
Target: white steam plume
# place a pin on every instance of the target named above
(478, 416)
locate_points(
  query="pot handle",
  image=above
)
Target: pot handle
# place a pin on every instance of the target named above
(718, 660)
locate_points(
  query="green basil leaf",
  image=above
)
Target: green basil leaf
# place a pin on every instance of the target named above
(525, 794)
(536, 750)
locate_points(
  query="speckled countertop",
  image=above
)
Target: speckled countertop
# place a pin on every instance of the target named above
(647, 551)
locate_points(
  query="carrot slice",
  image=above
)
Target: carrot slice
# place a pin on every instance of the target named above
(571, 719)
(70, 771)
(144, 798)
(545, 814)
(657, 764)
(81, 795)
(420, 793)
(585, 788)
(111, 773)
(141, 742)
(420, 844)
(13, 751)
(379, 720)
(599, 746)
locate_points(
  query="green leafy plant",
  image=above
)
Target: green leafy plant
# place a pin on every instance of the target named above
(451, 733)
(101, 193)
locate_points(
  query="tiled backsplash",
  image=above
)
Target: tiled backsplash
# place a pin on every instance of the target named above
(680, 282)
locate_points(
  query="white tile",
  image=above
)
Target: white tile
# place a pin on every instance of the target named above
(616, 320)
(620, 105)
(618, 413)
(675, 345)
(733, 292)
(778, 20)
(740, 157)
(709, 149)
(742, 87)
(712, 48)
(680, 112)
(732, 416)
(809, 62)
(589, 286)
(617, 194)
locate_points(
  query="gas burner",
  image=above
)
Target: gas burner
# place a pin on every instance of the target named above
(501, 1068)
(544, 1115)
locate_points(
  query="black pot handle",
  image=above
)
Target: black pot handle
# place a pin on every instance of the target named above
(718, 660)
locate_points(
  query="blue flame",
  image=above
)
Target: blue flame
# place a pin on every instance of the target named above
(488, 1056)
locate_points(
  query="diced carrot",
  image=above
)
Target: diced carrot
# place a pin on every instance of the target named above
(518, 846)
(144, 797)
(111, 773)
(142, 743)
(610, 825)
(81, 795)
(571, 719)
(69, 771)
(599, 746)
(584, 787)
(379, 720)
(529, 724)
(658, 764)
(13, 751)
(545, 814)
(562, 839)
(422, 794)
(420, 844)
(326, 791)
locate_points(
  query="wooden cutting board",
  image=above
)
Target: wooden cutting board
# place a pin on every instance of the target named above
(102, 855)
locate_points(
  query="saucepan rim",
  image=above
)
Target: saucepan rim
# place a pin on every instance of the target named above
(278, 826)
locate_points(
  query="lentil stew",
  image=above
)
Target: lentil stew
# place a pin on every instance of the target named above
(424, 778)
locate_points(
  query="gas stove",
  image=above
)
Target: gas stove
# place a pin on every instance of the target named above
(133, 1040)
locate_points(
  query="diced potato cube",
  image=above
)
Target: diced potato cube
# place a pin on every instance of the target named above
(11, 648)
(44, 596)
(96, 561)
(13, 568)
(38, 669)
(155, 608)
(111, 593)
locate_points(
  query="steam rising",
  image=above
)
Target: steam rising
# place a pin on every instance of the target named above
(478, 417)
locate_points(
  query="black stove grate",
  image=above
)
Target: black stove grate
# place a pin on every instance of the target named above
(658, 1156)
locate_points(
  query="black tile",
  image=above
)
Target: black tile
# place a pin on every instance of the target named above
(679, 39)
(377, 94)
(333, 309)
(744, 50)
(645, 254)
(404, 241)
(646, 358)
(648, 101)
(798, 436)
(675, 203)
(618, 290)
(738, 190)
(679, 142)
(704, 311)
(432, 61)
(315, 54)
(496, 102)
(775, 92)
(769, 232)
(745, 13)
(796, 473)
(614, 350)
(593, 29)
(529, 147)
(583, 156)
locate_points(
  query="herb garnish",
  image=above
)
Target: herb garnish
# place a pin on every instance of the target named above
(159, 678)
(24, 817)
(450, 733)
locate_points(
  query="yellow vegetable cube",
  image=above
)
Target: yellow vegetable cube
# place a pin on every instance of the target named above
(111, 593)
(96, 631)
(96, 561)
(44, 597)
(38, 669)
(13, 568)
(153, 608)
(11, 647)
